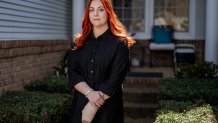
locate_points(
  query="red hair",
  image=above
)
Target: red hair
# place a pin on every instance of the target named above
(117, 28)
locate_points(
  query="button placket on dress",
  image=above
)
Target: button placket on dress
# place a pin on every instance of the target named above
(92, 59)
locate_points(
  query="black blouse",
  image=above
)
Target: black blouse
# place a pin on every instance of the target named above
(102, 62)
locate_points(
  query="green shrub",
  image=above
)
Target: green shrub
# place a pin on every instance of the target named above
(51, 84)
(184, 112)
(198, 70)
(32, 107)
(189, 89)
(215, 109)
(61, 68)
(172, 105)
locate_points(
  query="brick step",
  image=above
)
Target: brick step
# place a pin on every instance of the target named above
(140, 110)
(140, 95)
(141, 82)
(138, 120)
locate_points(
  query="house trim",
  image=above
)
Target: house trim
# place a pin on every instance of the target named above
(78, 12)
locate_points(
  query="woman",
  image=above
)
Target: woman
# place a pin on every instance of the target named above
(98, 64)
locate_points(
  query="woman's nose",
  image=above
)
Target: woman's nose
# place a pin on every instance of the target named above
(96, 13)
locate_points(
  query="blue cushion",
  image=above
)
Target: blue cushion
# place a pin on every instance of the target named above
(162, 34)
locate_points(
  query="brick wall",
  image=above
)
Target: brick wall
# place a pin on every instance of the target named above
(141, 52)
(25, 61)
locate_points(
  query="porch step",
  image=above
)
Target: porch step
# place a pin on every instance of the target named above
(140, 98)
(141, 82)
(139, 110)
(140, 95)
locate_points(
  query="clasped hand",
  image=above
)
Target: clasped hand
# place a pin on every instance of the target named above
(96, 98)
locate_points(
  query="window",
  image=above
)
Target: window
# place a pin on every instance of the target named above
(140, 15)
(172, 12)
(131, 13)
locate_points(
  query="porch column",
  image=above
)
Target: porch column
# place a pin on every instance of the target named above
(211, 42)
(78, 12)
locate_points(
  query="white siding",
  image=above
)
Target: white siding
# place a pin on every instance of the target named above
(200, 19)
(35, 19)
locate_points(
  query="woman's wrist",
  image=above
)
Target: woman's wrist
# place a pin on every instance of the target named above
(88, 92)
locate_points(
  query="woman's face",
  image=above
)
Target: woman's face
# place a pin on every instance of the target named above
(97, 14)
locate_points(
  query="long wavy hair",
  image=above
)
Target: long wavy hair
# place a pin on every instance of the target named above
(117, 28)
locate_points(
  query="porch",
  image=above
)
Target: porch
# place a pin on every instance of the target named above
(140, 53)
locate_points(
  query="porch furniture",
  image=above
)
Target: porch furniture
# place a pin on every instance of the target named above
(162, 42)
(160, 48)
(184, 53)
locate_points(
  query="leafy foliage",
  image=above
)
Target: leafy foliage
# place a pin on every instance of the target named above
(187, 113)
(51, 84)
(198, 70)
(188, 100)
(61, 68)
(32, 107)
(189, 89)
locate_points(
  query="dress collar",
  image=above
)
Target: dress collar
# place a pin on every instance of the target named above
(103, 35)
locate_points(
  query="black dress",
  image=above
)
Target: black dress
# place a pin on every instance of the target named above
(103, 63)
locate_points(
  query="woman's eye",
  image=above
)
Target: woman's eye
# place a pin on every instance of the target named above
(91, 10)
(101, 10)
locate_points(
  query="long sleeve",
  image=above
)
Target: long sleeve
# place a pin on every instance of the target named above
(118, 70)
(73, 73)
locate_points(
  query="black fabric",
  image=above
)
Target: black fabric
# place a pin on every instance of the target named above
(145, 74)
(103, 63)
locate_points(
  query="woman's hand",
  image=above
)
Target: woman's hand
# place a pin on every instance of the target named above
(88, 113)
(95, 98)
(85, 121)
(104, 95)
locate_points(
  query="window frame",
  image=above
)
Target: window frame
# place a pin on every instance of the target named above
(149, 14)
(149, 22)
(190, 34)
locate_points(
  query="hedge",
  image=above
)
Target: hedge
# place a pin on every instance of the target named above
(200, 69)
(189, 89)
(184, 112)
(51, 84)
(34, 107)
